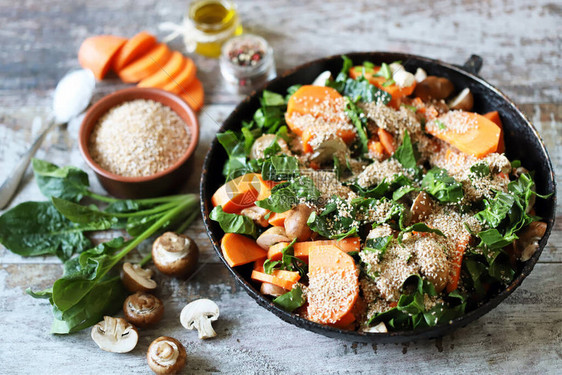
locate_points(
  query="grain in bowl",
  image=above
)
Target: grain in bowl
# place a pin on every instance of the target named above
(138, 138)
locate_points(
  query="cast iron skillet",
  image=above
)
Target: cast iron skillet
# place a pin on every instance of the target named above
(521, 139)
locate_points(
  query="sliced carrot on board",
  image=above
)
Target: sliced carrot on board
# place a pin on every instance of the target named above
(241, 192)
(238, 249)
(495, 118)
(147, 64)
(134, 48)
(278, 219)
(469, 132)
(194, 95)
(98, 52)
(182, 80)
(333, 284)
(162, 76)
(302, 249)
(455, 272)
(282, 278)
(387, 141)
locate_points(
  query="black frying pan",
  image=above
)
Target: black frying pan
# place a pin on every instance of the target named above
(521, 139)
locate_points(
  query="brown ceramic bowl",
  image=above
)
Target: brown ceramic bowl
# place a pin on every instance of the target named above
(148, 186)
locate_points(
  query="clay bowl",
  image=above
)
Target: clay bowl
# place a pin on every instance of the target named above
(161, 183)
(521, 139)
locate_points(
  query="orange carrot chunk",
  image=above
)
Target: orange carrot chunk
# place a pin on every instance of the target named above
(333, 284)
(133, 49)
(194, 95)
(302, 249)
(147, 64)
(98, 52)
(495, 118)
(238, 249)
(345, 321)
(387, 141)
(163, 76)
(455, 273)
(240, 193)
(182, 80)
(282, 278)
(278, 219)
(469, 132)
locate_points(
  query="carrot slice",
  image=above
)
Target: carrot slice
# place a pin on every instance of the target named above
(163, 76)
(194, 95)
(282, 278)
(495, 118)
(469, 132)
(333, 284)
(387, 141)
(238, 249)
(241, 192)
(345, 321)
(455, 273)
(98, 52)
(302, 249)
(134, 48)
(181, 82)
(394, 90)
(278, 219)
(147, 64)
(377, 149)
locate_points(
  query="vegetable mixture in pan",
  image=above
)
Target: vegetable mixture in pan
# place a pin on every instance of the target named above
(375, 200)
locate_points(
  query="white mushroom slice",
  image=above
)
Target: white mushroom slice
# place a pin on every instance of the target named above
(137, 279)
(404, 78)
(257, 214)
(263, 142)
(420, 75)
(198, 315)
(175, 254)
(296, 223)
(115, 335)
(166, 355)
(379, 328)
(463, 101)
(272, 290)
(272, 236)
(322, 78)
(396, 67)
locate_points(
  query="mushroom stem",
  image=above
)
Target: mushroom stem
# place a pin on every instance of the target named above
(204, 327)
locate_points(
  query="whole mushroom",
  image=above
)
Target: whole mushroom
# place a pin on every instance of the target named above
(115, 335)
(137, 279)
(198, 315)
(166, 355)
(143, 309)
(295, 223)
(529, 238)
(175, 254)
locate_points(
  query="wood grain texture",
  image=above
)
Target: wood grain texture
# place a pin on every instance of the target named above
(520, 42)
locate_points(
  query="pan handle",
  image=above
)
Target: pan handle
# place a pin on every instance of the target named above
(473, 64)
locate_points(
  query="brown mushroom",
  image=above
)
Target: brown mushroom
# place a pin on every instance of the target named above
(137, 279)
(143, 309)
(262, 143)
(272, 290)
(529, 238)
(421, 207)
(464, 101)
(166, 355)
(272, 236)
(295, 223)
(434, 88)
(175, 254)
(257, 214)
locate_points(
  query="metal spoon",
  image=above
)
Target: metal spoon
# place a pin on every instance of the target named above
(72, 95)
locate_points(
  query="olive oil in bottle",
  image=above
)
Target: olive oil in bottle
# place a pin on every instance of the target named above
(215, 22)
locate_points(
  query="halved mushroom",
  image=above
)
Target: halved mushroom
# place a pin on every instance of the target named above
(175, 254)
(295, 223)
(257, 214)
(421, 207)
(166, 355)
(528, 241)
(143, 309)
(263, 142)
(420, 75)
(272, 290)
(272, 236)
(330, 146)
(322, 78)
(115, 335)
(198, 315)
(464, 101)
(434, 88)
(403, 78)
(379, 328)
(137, 279)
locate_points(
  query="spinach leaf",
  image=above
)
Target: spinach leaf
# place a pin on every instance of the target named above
(402, 191)
(292, 300)
(405, 154)
(378, 245)
(359, 120)
(418, 227)
(480, 170)
(336, 221)
(233, 223)
(441, 186)
(288, 262)
(69, 183)
(37, 228)
(280, 168)
(289, 194)
(237, 152)
(291, 90)
(270, 98)
(84, 214)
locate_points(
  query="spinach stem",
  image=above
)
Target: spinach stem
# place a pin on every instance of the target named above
(154, 210)
(146, 259)
(187, 222)
(103, 198)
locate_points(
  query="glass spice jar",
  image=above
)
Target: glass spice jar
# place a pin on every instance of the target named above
(247, 63)
(212, 23)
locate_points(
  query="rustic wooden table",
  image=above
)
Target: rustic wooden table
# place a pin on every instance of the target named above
(521, 44)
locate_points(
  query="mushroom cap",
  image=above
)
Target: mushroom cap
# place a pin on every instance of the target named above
(115, 335)
(137, 279)
(175, 254)
(166, 355)
(272, 236)
(143, 309)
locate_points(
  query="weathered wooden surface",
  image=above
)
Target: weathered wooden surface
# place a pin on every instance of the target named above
(520, 42)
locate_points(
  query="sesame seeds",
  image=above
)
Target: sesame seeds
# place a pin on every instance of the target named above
(377, 171)
(458, 122)
(138, 138)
